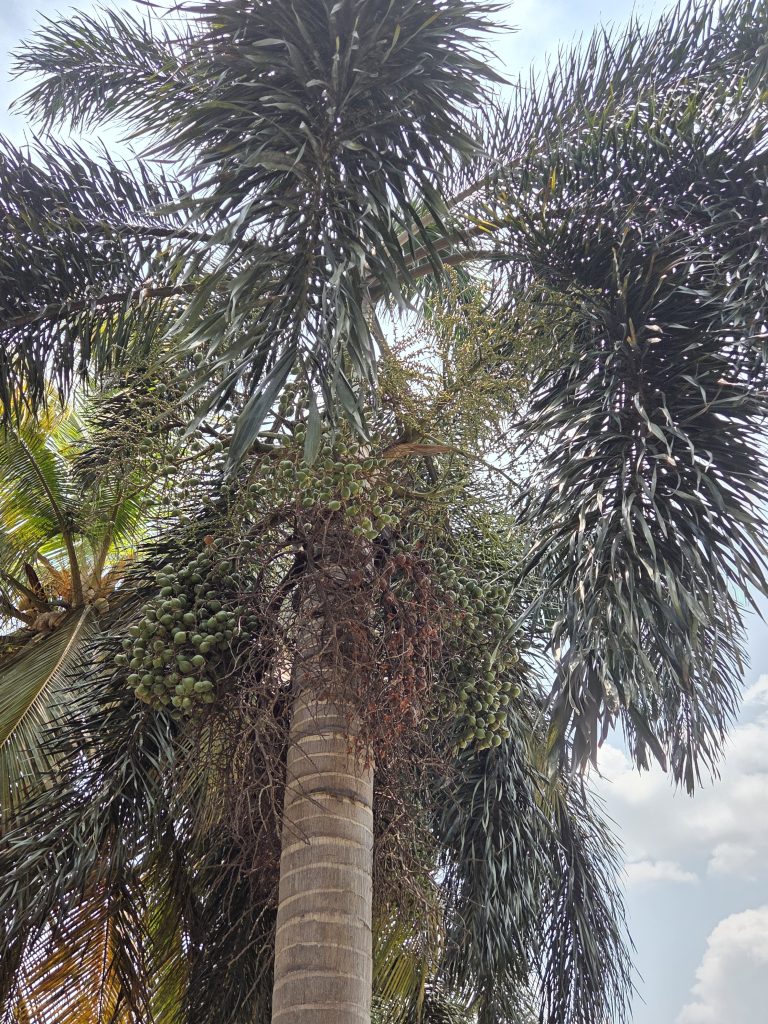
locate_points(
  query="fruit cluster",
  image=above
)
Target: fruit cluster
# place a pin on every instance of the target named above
(481, 679)
(175, 653)
(342, 479)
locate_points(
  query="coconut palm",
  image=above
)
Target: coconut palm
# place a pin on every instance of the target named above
(330, 166)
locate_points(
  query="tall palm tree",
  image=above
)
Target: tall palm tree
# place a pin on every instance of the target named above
(331, 166)
(171, 901)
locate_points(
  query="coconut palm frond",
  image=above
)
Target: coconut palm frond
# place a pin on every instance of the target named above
(35, 692)
(87, 964)
(406, 955)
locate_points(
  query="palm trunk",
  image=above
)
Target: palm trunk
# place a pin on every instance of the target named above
(323, 959)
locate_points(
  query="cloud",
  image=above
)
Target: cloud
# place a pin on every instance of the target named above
(641, 872)
(730, 985)
(723, 830)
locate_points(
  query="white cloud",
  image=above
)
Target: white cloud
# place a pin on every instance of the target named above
(723, 829)
(641, 872)
(732, 980)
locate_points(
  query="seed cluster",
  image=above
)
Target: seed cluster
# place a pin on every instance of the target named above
(187, 631)
(342, 480)
(480, 681)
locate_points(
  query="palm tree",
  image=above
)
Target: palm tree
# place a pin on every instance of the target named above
(331, 166)
(180, 840)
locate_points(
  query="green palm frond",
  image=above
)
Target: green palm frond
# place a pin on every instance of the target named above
(78, 243)
(628, 188)
(37, 504)
(318, 134)
(35, 692)
(534, 913)
(406, 955)
(104, 65)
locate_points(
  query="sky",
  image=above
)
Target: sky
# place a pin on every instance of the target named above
(696, 870)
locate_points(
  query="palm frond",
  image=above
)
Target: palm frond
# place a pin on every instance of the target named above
(641, 219)
(78, 242)
(35, 692)
(103, 65)
(83, 967)
(519, 935)
(318, 145)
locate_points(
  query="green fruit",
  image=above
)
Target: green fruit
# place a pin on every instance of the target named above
(203, 686)
(189, 618)
(180, 637)
(121, 659)
(186, 703)
(198, 661)
(134, 679)
(222, 616)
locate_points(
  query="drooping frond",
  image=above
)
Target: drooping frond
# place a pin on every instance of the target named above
(535, 916)
(640, 218)
(80, 246)
(84, 965)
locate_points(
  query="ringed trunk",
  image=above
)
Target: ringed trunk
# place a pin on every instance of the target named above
(323, 957)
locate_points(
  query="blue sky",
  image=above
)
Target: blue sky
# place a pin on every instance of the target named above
(696, 870)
